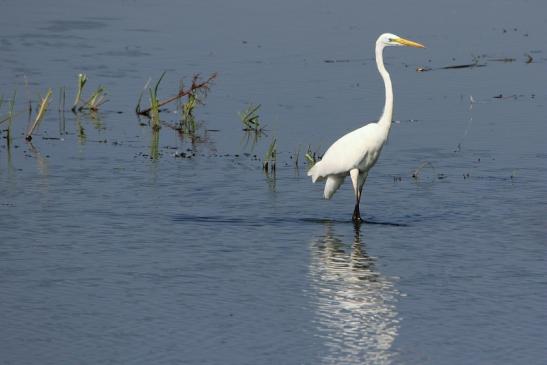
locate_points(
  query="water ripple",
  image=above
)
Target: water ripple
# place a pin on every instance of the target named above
(356, 313)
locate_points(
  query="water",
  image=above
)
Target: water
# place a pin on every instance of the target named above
(108, 256)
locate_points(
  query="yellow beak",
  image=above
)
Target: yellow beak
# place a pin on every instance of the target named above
(406, 42)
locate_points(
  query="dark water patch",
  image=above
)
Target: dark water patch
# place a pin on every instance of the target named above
(141, 30)
(125, 52)
(42, 36)
(273, 221)
(70, 25)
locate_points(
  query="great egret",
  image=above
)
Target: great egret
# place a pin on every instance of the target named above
(355, 153)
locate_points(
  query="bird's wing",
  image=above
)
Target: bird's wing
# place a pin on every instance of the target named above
(347, 152)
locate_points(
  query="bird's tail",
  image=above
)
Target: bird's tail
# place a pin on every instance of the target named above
(332, 184)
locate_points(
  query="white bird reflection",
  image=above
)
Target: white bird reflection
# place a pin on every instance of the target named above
(356, 313)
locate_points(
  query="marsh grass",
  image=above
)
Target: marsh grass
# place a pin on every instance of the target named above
(202, 86)
(251, 120)
(311, 157)
(139, 100)
(11, 114)
(42, 108)
(296, 157)
(271, 157)
(154, 144)
(155, 104)
(97, 98)
(82, 80)
(188, 123)
(61, 110)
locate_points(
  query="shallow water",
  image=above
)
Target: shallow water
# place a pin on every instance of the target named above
(108, 256)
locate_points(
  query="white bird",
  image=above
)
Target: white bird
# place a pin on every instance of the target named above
(355, 153)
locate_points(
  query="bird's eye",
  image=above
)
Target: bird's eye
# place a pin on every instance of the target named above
(391, 39)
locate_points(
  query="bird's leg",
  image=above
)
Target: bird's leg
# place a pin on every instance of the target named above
(356, 214)
(354, 173)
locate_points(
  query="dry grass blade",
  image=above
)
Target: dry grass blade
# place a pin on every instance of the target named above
(40, 115)
(96, 99)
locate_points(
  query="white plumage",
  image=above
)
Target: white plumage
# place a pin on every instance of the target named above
(356, 153)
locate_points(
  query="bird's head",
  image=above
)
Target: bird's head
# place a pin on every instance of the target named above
(388, 39)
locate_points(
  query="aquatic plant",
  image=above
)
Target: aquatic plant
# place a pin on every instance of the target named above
(203, 87)
(155, 104)
(270, 158)
(188, 121)
(311, 157)
(296, 157)
(154, 144)
(139, 100)
(82, 80)
(3, 118)
(42, 108)
(62, 99)
(9, 118)
(250, 119)
(97, 98)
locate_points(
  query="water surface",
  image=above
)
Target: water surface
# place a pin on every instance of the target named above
(109, 256)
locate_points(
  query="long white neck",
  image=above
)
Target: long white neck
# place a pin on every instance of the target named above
(385, 119)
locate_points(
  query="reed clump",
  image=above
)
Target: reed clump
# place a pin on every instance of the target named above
(251, 120)
(97, 98)
(197, 84)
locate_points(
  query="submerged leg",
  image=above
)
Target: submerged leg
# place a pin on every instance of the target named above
(358, 181)
(357, 189)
